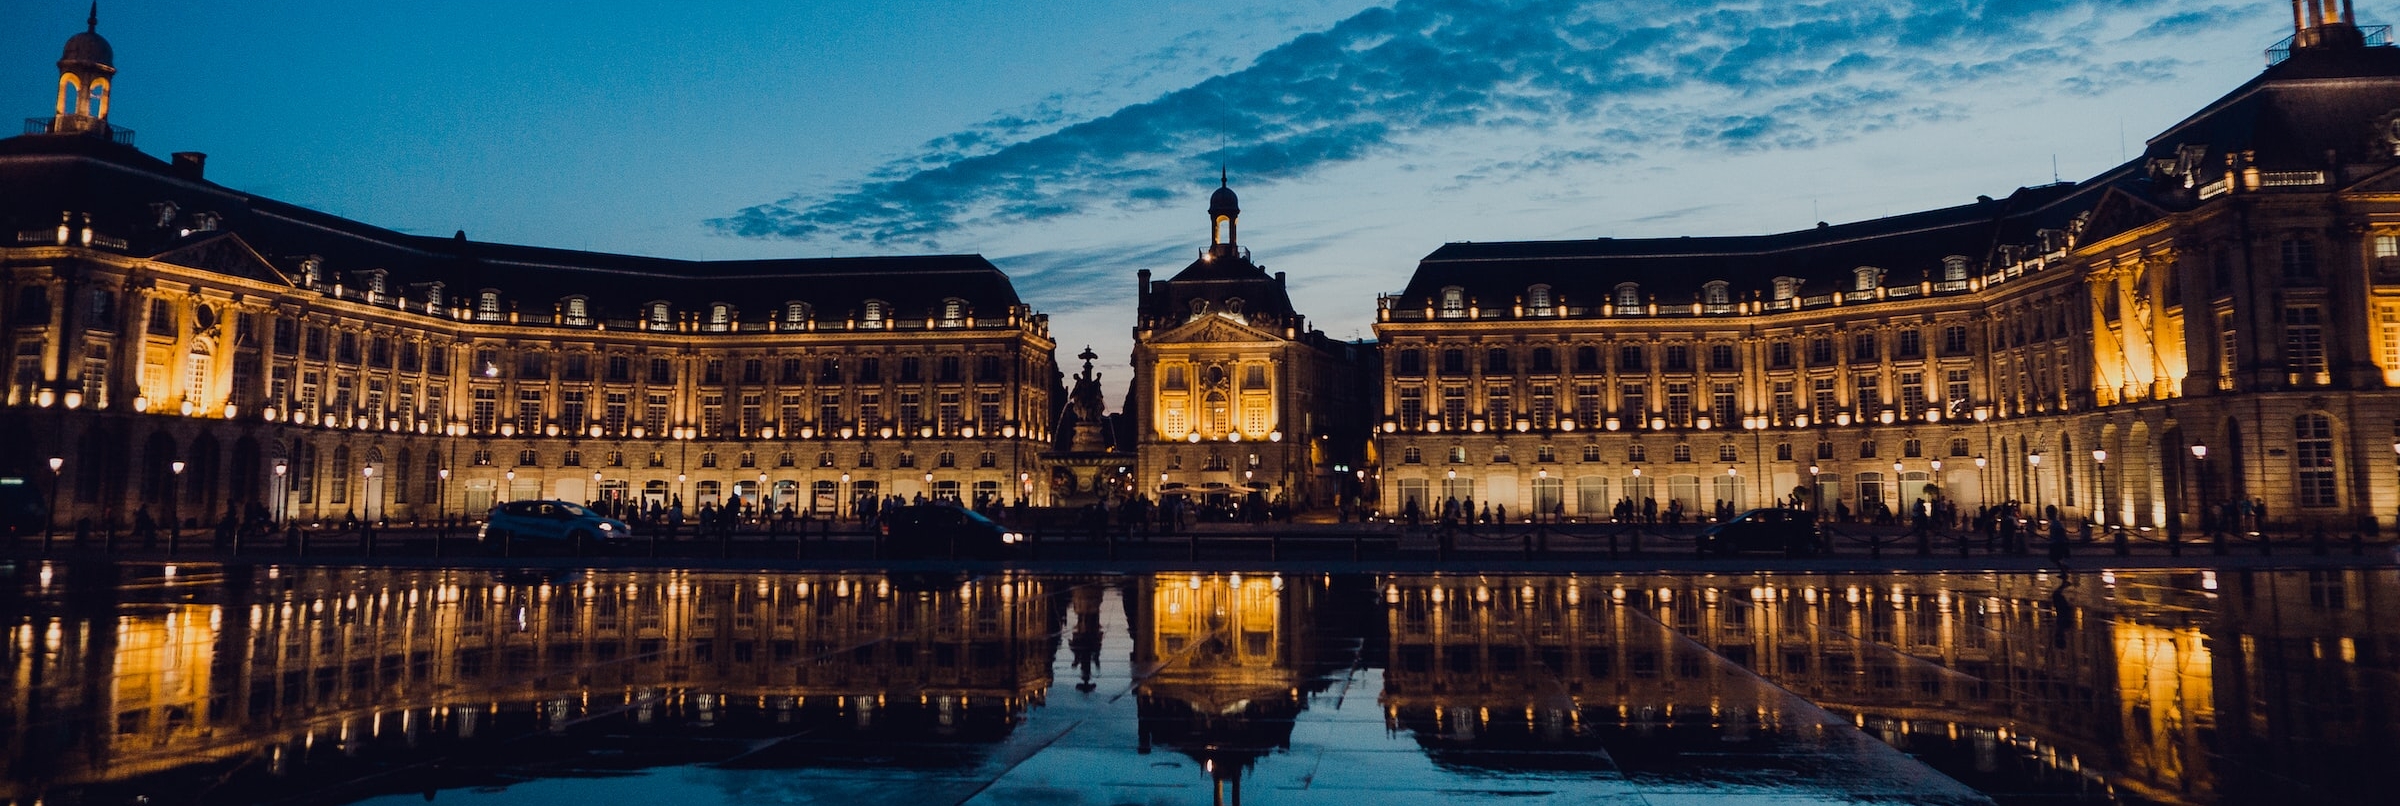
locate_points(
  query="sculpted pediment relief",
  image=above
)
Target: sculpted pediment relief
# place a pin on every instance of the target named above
(1213, 330)
(224, 254)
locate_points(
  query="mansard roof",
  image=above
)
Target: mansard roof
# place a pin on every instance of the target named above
(1909, 247)
(2324, 118)
(126, 193)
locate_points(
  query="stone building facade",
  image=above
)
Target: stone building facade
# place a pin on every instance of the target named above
(182, 347)
(1233, 392)
(2216, 320)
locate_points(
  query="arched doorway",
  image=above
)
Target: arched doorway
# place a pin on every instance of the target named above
(242, 479)
(201, 476)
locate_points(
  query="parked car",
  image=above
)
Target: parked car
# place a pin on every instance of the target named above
(1793, 532)
(557, 522)
(943, 531)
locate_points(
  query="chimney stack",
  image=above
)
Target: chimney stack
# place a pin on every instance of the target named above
(191, 165)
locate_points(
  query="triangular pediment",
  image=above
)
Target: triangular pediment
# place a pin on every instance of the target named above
(2119, 212)
(224, 254)
(1213, 329)
(2383, 181)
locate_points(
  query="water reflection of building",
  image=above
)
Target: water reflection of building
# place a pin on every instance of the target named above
(1228, 660)
(2178, 687)
(258, 663)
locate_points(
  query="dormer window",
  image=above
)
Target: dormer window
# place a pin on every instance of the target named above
(312, 269)
(1199, 308)
(1786, 288)
(577, 312)
(1234, 306)
(1866, 278)
(795, 314)
(487, 305)
(1537, 301)
(1716, 292)
(375, 282)
(1954, 268)
(954, 312)
(659, 315)
(1454, 302)
(874, 314)
(720, 316)
(1629, 298)
(433, 296)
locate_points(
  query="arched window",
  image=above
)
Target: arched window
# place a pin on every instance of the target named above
(954, 312)
(1716, 292)
(197, 369)
(487, 305)
(578, 312)
(1954, 268)
(659, 316)
(99, 98)
(1537, 301)
(1629, 298)
(795, 314)
(70, 96)
(1454, 302)
(1866, 278)
(873, 314)
(1220, 416)
(720, 316)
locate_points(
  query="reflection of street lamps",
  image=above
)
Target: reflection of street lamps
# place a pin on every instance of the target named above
(51, 521)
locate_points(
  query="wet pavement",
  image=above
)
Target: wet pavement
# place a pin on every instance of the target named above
(267, 684)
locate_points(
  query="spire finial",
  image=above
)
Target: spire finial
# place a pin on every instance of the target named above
(92, 23)
(1223, 175)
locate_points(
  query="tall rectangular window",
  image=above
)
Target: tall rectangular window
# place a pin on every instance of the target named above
(1867, 392)
(1499, 407)
(1633, 401)
(2312, 459)
(1726, 405)
(1959, 387)
(486, 410)
(870, 410)
(987, 412)
(2304, 344)
(1454, 408)
(614, 417)
(1912, 394)
(2228, 347)
(529, 412)
(572, 411)
(829, 412)
(1545, 406)
(1412, 408)
(1786, 406)
(1587, 403)
(1823, 401)
(654, 414)
(712, 415)
(1679, 404)
(949, 413)
(753, 416)
(2299, 259)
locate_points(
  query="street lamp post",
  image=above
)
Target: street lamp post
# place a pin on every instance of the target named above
(368, 488)
(50, 519)
(441, 508)
(2100, 469)
(2034, 460)
(174, 501)
(1816, 491)
(280, 494)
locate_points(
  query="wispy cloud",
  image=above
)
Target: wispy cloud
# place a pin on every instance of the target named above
(1612, 78)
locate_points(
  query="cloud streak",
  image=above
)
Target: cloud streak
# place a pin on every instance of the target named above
(1605, 81)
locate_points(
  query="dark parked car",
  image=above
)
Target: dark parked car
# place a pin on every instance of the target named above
(942, 531)
(559, 522)
(1790, 531)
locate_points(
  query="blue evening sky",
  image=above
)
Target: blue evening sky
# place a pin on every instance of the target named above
(1075, 141)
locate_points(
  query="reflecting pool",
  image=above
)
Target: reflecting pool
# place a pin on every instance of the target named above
(243, 684)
